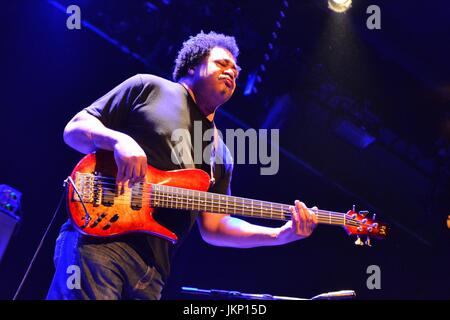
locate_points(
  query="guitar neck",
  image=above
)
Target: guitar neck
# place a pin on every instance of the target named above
(186, 199)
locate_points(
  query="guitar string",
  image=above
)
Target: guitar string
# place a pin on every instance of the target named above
(179, 191)
(189, 205)
(197, 200)
(247, 212)
(172, 195)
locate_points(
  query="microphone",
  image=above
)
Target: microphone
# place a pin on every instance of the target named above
(336, 295)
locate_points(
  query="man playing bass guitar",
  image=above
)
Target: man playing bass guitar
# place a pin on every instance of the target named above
(135, 122)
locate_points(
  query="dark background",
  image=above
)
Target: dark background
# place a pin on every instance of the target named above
(323, 72)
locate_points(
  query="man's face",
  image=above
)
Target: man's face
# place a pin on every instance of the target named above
(216, 75)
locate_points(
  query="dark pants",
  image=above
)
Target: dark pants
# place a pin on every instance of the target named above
(100, 269)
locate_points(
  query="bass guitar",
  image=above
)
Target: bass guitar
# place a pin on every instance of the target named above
(97, 208)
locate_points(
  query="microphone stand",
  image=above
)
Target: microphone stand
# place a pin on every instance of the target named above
(334, 295)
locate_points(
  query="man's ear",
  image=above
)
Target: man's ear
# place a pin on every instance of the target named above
(191, 72)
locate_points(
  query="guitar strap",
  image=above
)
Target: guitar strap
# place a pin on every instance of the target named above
(212, 164)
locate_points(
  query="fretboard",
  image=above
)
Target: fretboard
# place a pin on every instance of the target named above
(186, 199)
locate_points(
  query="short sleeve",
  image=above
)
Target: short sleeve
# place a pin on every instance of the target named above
(223, 185)
(113, 108)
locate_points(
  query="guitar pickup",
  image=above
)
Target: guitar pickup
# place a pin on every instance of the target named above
(136, 196)
(108, 194)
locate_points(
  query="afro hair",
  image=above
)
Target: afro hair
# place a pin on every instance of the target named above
(198, 47)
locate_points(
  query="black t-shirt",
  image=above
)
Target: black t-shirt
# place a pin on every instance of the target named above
(153, 111)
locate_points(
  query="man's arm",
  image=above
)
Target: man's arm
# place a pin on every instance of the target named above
(227, 231)
(85, 133)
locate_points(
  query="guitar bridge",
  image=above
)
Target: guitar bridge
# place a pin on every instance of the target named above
(85, 185)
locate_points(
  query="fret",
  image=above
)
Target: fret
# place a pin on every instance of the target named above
(162, 196)
(176, 200)
(195, 200)
(152, 196)
(207, 205)
(221, 203)
(166, 196)
(258, 209)
(226, 205)
(283, 210)
(262, 210)
(213, 203)
(271, 210)
(182, 199)
(174, 197)
(158, 195)
(158, 198)
(188, 199)
(217, 200)
(210, 202)
(204, 202)
(179, 201)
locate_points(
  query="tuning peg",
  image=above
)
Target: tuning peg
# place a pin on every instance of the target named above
(358, 241)
(364, 213)
(353, 208)
(367, 242)
(374, 216)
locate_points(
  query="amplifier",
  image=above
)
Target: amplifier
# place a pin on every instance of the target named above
(9, 204)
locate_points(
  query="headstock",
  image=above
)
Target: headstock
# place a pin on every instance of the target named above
(358, 223)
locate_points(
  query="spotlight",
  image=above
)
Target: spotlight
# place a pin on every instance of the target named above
(339, 5)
